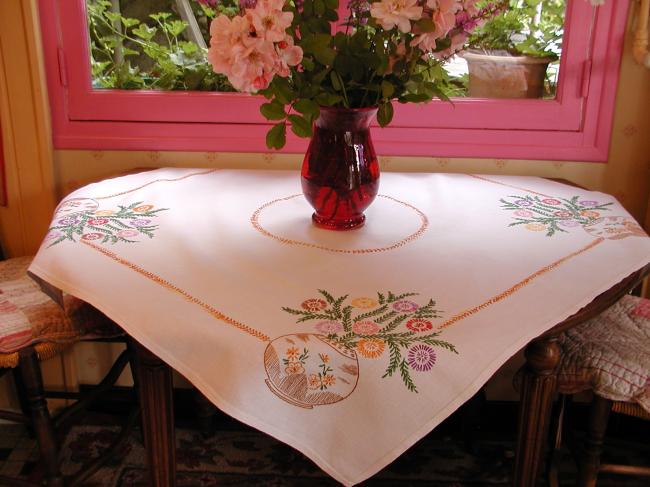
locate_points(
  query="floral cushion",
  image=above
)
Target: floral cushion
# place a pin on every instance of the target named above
(29, 316)
(610, 354)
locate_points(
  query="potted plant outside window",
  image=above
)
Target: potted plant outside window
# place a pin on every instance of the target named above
(509, 55)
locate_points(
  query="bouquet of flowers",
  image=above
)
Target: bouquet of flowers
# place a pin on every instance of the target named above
(299, 56)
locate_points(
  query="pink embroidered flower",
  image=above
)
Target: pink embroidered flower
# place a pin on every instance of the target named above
(365, 327)
(97, 221)
(551, 201)
(421, 357)
(405, 306)
(71, 220)
(396, 13)
(313, 304)
(269, 21)
(563, 214)
(91, 236)
(419, 325)
(329, 327)
(523, 213)
(568, 223)
(127, 233)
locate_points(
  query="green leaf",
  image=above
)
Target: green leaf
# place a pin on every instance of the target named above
(385, 114)
(145, 32)
(308, 64)
(308, 108)
(335, 81)
(387, 89)
(273, 111)
(277, 136)
(319, 7)
(300, 126)
(332, 4)
(325, 55)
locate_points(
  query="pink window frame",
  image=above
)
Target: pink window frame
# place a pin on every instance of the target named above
(574, 126)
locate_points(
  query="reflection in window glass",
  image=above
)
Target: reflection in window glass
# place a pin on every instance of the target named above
(161, 44)
(515, 55)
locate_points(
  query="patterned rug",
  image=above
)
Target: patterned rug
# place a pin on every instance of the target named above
(244, 457)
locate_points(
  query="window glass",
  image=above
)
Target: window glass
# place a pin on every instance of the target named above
(161, 45)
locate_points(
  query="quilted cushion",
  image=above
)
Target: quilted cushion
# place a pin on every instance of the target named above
(610, 354)
(28, 316)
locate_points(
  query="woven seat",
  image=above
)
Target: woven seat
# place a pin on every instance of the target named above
(36, 326)
(30, 317)
(609, 355)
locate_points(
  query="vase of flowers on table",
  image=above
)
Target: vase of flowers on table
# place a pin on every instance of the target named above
(326, 78)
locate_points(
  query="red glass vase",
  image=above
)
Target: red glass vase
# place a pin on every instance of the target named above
(340, 172)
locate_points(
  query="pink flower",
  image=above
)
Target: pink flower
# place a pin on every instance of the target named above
(391, 13)
(288, 55)
(444, 18)
(269, 21)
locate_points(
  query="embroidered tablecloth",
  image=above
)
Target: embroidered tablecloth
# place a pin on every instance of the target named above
(349, 346)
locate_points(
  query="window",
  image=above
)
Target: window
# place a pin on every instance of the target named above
(573, 125)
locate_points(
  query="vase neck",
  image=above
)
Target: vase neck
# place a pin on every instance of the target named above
(345, 119)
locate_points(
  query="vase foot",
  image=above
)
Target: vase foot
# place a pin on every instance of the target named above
(331, 224)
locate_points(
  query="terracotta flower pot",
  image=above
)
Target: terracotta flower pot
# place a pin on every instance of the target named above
(505, 76)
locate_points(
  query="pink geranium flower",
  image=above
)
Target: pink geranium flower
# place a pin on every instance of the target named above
(396, 13)
(443, 16)
(253, 64)
(269, 21)
(288, 55)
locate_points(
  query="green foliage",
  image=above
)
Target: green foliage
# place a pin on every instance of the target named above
(530, 27)
(128, 53)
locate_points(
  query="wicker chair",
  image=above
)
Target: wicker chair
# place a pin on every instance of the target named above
(33, 327)
(609, 355)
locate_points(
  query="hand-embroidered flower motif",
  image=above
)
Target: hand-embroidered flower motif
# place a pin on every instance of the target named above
(419, 325)
(329, 327)
(365, 327)
(294, 360)
(421, 357)
(85, 221)
(405, 306)
(552, 214)
(395, 324)
(313, 304)
(370, 347)
(364, 303)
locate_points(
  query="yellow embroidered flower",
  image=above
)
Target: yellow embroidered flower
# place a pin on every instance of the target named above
(328, 380)
(590, 214)
(364, 303)
(536, 227)
(314, 381)
(142, 208)
(292, 353)
(104, 212)
(370, 347)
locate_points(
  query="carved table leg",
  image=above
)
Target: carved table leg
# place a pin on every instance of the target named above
(590, 458)
(537, 389)
(155, 391)
(32, 380)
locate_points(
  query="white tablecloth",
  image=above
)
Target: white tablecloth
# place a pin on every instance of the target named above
(349, 346)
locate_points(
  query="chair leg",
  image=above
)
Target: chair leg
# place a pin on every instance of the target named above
(590, 460)
(41, 421)
(22, 398)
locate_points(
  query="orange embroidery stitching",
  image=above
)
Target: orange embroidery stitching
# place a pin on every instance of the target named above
(168, 285)
(155, 181)
(509, 185)
(518, 286)
(423, 227)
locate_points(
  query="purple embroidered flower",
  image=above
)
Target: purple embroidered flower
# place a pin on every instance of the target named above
(91, 236)
(140, 222)
(329, 327)
(588, 203)
(523, 203)
(421, 357)
(405, 306)
(127, 233)
(523, 213)
(568, 223)
(54, 234)
(70, 220)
